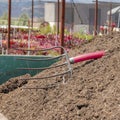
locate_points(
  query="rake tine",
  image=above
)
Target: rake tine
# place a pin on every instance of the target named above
(41, 49)
(50, 58)
(60, 74)
(43, 67)
(45, 88)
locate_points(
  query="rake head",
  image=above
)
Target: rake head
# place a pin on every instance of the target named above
(61, 67)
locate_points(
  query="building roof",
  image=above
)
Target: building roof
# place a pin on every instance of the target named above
(114, 10)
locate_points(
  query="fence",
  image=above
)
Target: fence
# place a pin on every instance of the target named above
(77, 14)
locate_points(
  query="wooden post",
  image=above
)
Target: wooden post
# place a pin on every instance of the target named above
(9, 22)
(62, 24)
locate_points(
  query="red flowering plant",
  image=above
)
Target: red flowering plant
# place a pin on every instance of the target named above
(39, 40)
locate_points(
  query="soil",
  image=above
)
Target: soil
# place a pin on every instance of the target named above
(92, 93)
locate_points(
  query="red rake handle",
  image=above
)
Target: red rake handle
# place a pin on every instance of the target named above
(87, 56)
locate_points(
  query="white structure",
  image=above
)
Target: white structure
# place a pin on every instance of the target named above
(50, 10)
(71, 18)
(115, 12)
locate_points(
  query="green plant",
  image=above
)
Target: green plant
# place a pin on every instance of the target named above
(83, 36)
(45, 29)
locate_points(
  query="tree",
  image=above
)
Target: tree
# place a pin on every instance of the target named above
(4, 18)
(23, 20)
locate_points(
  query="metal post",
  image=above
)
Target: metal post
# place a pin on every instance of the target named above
(118, 25)
(110, 18)
(62, 24)
(96, 18)
(32, 13)
(58, 8)
(9, 22)
(29, 37)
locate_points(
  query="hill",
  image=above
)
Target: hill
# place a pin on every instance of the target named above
(20, 6)
(93, 92)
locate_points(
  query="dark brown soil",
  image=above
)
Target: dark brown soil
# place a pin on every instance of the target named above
(93, 92)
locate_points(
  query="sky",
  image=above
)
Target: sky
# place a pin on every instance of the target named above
(101, 0)
(83, 1)
(88, 1)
